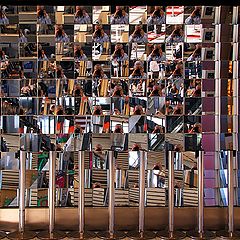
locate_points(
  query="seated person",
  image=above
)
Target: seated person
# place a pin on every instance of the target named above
(138, 36)
(120, 16)
(81, 16)
(138, 71)
(42, 16)
(157, 17)
(176, 36)
(60, 35)
(195, 17)
(99, 36)
(119, 54)
(157, 54)
(79, 54)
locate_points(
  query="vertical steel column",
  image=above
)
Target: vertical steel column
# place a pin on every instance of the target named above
(52, 168)
(230, 193)
(141, 192)
(171, 193)
(81, 193)
(22, 188)
(111, 194)
(200, 194)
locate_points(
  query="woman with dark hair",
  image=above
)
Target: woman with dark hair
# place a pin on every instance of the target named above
(176, 36)
(120, 16)
(42, 16)
(99, 36)
(119, 54)
(138, 36)
(196, 55)
(3, 18)
(79, 54)
(157, 54)
(60, 35)
(98, 72)
(195, 17)
(157, 17)
(81, 16)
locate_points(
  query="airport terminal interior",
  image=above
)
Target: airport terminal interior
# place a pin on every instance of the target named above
(119, 122)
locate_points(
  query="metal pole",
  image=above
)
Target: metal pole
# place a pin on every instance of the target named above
(171, 193)
(141, 191)
(52, 168)
(22, 188)
(111, 194)
(230, 193)
(200, 194)
(81, 193)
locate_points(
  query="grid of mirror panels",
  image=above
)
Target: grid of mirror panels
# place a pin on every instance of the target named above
(119, 78)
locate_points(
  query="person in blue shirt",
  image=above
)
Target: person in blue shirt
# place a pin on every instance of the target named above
(42, 16)
(3, 18)
(81, 16)
(60, 35)
(195, 17)
(176, 36)
(138, 36)
(99, 36)
(119, 54)
(157, 17)
(157, 54)
(79, 54)
(120, 16)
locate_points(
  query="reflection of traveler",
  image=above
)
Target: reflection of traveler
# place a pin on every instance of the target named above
(157, 54)
(138, 71)
(196, 55)
(138, 36)
(60, 35)
(81, 16)
(3, 18)
(119, 53)
(160, 174)
(195, 17)
(157, 17)
(97, 110)
(138, 110)
(120, 16)
(197, 128)
(98, 72)
(79, 54)
(42, 16)
(99, 36)
(176, 35)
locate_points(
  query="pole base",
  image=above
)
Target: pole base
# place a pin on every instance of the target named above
(55, 235)
(224, 234)
(77, 235)
(25, 235)
(175, 235)
(115, 235)
(141, 235)
(205, 235)
(2, 235)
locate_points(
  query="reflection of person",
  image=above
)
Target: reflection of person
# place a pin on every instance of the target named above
(196, 55)
(138, 36)
(138, 71)
(81, 16)
(42, 16)
(60, 35)
(138, 110)
(42, 56)
(117, 91)
(195, 17)
(99, 36)
(157, 54)
(119, 54)
(120, 16)
(97, 110)
(99, 156)
(157, 17)
(79, 54)
(197, 128)
(3, 18)
(176, 35)
(118, 128)
(98, 72)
